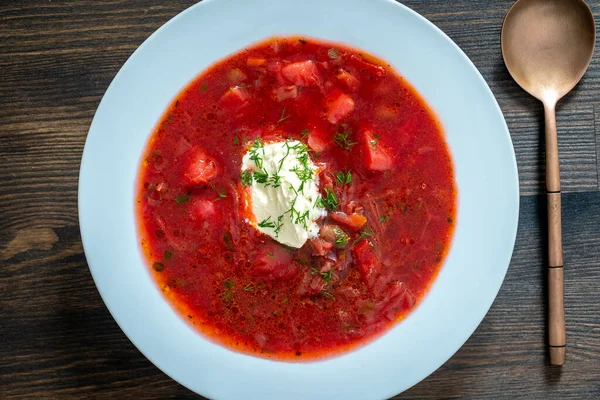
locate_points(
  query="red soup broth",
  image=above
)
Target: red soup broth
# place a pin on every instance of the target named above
(396, 207)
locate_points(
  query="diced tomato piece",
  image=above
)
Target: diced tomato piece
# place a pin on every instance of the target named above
(275, 262)
(375, 156)
(349, 80)
(303, 73)
(234, 98)
(339, 107)
(199, 168)
(353, 221)
(285, 92)
(368, 264)
(255, 62)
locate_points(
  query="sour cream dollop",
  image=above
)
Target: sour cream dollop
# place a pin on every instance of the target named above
(284, 187)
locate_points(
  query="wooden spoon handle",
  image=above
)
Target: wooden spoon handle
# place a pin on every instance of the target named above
(556, 317)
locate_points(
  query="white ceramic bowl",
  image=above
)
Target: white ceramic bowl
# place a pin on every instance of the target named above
(485, 170)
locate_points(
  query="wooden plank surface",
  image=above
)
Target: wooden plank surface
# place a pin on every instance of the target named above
(57, 339)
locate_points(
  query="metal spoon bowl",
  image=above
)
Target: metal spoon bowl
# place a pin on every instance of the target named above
(547, 46)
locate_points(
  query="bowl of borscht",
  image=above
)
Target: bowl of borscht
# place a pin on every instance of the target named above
(298, 200)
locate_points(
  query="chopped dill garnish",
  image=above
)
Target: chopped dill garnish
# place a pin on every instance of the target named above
(261, 177)
(302, 219)
(182, 199)
(229, 283)
(344, 178)
(305, 173)
(341, 240)
(327, 276)
(373, 142)
(283, 116)
(221, 195)
(275, 181)
(287, 153)
(330, 201)
(278, 225)
(328, 295)
(366, 232)
(254, 150)
(343, 140)
(267, 223)
(246, 178)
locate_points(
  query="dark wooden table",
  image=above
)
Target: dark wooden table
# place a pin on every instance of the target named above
(58, 340)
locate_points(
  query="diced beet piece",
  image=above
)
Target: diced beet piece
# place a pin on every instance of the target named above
(207, 217)
(318, 138)
(353, 221)
(397, 299)
(375, 156)
(349, 80)
(204, 209)
(368, 264)
(236, 76)
(234, 98)
(321, 246)
(275, 262)
(311, 285)
(303, 73)
(316, 142)
(285, 92)
(199, 168)
(326, 178)
(339, 107)
(274, 68)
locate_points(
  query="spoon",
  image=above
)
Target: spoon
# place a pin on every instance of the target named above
(547, 46)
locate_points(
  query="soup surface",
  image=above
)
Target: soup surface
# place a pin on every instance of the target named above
(226, 238)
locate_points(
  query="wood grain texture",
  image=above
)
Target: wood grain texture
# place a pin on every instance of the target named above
(58, 340)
